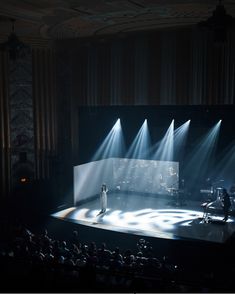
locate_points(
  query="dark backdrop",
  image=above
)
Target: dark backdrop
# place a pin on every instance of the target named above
(96, 122)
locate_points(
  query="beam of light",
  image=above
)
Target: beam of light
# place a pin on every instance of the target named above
(140, 145)
(164, 148)
(138, 150)
(95, 172)
(180, 138)
(113, 145)
(64, 213)
(224, 168)
(200, 157)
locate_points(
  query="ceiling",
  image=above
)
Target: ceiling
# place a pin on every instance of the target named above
(66, 19)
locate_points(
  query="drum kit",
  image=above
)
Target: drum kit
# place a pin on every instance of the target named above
(214, 191)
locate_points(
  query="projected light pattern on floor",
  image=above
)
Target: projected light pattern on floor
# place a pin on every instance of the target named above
(170, 223)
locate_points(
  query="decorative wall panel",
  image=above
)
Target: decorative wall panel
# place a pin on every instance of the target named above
(21, 120)
(44, 111)
(4, 127)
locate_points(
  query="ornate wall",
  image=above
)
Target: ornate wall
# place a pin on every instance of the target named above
(4, 127)
(21, 120)
(45, 116)
(28, 118)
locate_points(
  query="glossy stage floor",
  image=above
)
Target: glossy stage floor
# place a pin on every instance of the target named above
(161, 217)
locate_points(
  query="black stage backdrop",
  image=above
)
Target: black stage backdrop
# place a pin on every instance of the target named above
(96, 122)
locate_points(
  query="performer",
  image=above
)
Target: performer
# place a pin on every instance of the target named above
(103, 198)
(225, 203)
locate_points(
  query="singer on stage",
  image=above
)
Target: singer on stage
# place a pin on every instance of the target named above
(103, 198)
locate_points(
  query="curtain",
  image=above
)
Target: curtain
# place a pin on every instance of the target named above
(169, 67)
(44, 110)
(4, 126)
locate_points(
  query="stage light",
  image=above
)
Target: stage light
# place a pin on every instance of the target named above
(138, 150)
(101, 162)
(224, 168)
(166, 146)
(180, 137)
(113, 145)
(200, 158)
(117, 125)
(141, 143)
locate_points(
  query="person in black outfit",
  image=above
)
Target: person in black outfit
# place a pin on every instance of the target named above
(226, 203)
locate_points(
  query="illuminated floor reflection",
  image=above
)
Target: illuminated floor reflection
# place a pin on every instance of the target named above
(139, 215)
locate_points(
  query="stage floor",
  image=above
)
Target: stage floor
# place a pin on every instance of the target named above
(151, 216)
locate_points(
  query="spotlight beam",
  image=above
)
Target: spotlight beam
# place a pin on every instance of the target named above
(141, 143)
(166, 145)
(201, 155)
(113, 145)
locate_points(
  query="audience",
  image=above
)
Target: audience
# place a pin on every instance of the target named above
(82, 266)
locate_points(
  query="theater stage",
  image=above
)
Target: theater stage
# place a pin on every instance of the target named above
(160, 217)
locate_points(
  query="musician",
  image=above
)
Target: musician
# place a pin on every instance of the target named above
(226, 203)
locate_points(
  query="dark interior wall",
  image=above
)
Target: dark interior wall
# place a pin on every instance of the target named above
(29, 145)
(21, 120)
(4, 127)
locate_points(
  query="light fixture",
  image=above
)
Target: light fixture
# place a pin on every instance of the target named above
(14, 46)
(219, 23)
